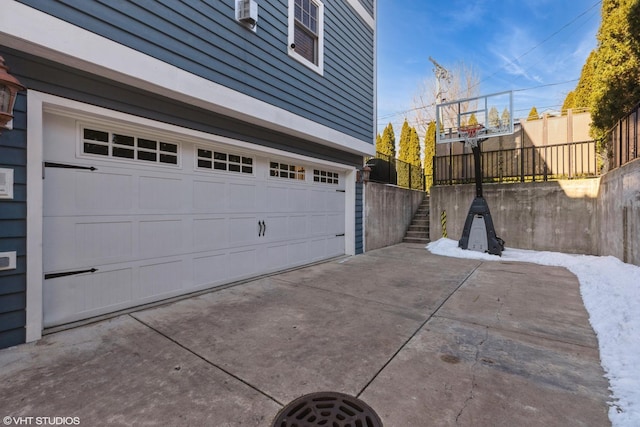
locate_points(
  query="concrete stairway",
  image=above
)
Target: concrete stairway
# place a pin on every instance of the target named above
(418, 231)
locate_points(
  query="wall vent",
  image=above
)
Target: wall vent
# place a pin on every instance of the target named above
(247, 12)
(6, 183)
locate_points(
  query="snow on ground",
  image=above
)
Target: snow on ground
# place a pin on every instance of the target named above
(610, 291)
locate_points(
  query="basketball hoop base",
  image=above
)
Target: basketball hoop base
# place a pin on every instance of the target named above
(478, 233)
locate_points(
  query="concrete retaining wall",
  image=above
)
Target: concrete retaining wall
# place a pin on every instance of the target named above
(387, 214)
(553, 216)
(593, 216)
(619, 213)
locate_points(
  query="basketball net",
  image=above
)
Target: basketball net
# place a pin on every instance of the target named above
(470, 134)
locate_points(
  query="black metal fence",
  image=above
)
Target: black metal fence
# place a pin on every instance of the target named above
(562, 161)
(388, 169)
(624, 140)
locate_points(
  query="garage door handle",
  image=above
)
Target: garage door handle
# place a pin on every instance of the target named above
(68, 273)
(264, 228)
(260, 228)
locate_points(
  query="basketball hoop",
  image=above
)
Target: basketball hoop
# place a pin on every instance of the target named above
(471, 134)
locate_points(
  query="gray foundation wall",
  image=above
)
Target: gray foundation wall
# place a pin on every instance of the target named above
(598, 216)
(619, 213)
(388, 212)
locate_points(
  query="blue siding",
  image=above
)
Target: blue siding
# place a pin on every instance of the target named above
(13, 230)
(204, 39)
(46, 76)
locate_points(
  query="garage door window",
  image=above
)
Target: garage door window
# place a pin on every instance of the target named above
(222, 161)
(325, 177)
(286, 171)
(120, 145)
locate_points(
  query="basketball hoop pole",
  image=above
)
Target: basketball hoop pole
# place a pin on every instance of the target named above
(471, 138)
(477, 163)
(478, 232)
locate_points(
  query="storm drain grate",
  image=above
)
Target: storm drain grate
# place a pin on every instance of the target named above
(327, 409)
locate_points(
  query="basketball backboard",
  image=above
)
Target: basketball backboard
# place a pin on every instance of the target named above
(493, 113)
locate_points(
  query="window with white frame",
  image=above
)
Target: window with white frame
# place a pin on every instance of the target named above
(222, 161)
(306, 32)
(286, 171)
(325, 177)
(126, 146)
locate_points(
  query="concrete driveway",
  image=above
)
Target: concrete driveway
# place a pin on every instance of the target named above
(424, 340)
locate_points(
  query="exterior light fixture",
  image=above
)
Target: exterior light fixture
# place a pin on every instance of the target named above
(363, 174)
(9, 87)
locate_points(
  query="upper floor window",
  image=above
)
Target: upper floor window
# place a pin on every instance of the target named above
(306, 32)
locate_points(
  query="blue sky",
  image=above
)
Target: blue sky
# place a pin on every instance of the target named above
(511, 44)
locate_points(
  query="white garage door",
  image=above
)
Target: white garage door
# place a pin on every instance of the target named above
(131, 217)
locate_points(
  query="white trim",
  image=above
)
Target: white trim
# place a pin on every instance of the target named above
(364, 14)
(319, 67)
(95, 114)
(21, 28)
(375, 75)
(350, 212)
(38, 103)
(35, 186)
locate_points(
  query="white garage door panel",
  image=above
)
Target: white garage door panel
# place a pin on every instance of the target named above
(208, 196)
(158, 238)
(298, 253)
(276, 227)
(77, 297)
(154, 231)
(318, 224)
(72, 244)
(317, 249)
(277, 257)
(335, 223)
(242, 264)
(159, 280)
(83, 193)
(335, 246)
(210, 233)
(243, 230)
(162, 195)
(297, 226)
(276, 198)
(241, 198)
(210, 270)
(297, 200)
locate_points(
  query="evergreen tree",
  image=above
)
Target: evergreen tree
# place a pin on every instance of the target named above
(388, 143)
(634, 28)
(414, 160)
(414, 148)
(617, 64)
(533, 114)
(568, 103)
(402, 167)
(582, 95)
(506, 116)
(429, 153)
(405, 135)
(494, 118)
(609, 84)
